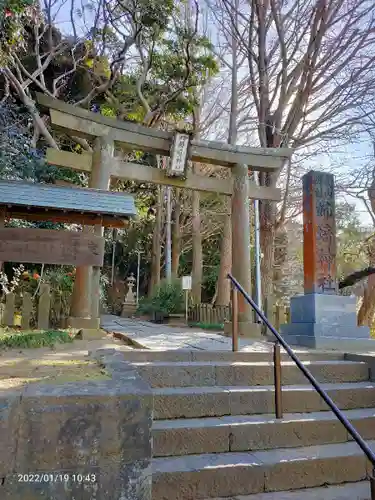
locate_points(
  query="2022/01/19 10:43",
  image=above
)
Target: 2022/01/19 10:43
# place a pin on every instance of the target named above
(56, 478)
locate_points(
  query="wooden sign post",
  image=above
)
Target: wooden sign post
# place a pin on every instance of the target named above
(45, 246)
(178, 160)
(186, 285)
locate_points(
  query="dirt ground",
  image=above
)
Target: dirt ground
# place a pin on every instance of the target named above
(63, 363)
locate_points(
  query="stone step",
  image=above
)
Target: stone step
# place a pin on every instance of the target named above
(250, 432)
(196, 477)
(348, 491)
(194, 402)
(222, 373)
(250, 356)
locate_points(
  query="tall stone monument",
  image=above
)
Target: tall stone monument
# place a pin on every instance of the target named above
(320, 317)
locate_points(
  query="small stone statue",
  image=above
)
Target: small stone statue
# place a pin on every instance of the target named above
(130, 296)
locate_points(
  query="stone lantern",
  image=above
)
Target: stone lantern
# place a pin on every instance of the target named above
(129, 305)
(130, 296)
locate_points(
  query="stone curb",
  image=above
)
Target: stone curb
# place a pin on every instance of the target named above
(100, 428)
(124, 337)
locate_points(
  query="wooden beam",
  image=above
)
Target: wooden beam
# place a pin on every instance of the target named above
(128, 139)
(128, 126)
(74, 120)
(62, 183)
(81, 162)
(69, 217)
(217, 153)
(45, 246)
(141, 173)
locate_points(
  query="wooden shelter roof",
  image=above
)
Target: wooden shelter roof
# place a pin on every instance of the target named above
(67, 198)
(18, 197)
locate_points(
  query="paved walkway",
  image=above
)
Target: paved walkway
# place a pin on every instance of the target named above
(163, 337)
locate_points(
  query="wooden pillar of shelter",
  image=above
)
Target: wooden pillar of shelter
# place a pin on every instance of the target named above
(241, 260)
(86, 294)
(80, 301)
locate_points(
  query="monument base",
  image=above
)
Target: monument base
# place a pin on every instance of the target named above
(128, 310)
(92, 334)
(246, 329)
(342, 344)
(327, 322)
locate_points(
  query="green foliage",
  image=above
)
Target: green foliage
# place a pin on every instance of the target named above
(154, 15)
(147, 305)
(210, 276)
(180, 63)
(167, 299)
(60, 279)
(208, 326)
(24, 340)
(18, 160)
(13, 16)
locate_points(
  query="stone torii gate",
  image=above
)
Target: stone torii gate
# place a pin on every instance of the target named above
(110, 134)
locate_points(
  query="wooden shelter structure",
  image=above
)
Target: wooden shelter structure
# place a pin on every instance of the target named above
(110, 135)
(45, 202)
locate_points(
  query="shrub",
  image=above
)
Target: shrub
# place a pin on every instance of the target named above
(14, 339)
(167, 299)
(60, 279)
(208, 326)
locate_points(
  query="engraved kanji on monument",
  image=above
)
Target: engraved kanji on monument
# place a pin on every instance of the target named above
(319, 233)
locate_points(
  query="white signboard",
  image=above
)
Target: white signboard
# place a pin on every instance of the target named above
(177, 165)
(186, 282)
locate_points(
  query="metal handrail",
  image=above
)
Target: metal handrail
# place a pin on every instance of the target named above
(339, 414)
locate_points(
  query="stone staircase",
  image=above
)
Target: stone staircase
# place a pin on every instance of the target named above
(215, 434)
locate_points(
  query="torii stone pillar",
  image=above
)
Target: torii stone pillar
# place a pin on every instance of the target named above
(241, 257)
(86, 294)
(321, 317)
(100, 179)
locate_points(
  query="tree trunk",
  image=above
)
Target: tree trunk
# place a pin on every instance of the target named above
(197, 267)
(267, 214)
(156, 246)
(223, 285)
(39, 124)
(367, 310)
(176, 236)
(281, 245)
(267, 239)
(226, 253)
